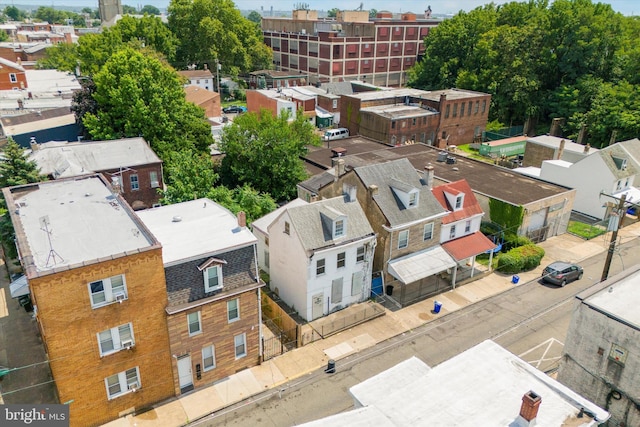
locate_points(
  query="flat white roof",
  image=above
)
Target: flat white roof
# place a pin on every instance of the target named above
(84, 220)
(194, 229)
(399, 111)
(51, 81)
(622, 301)
(482, 386)
(529, 171)
(554, 142)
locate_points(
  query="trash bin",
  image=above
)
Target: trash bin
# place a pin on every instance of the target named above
(437, 305)
(389, 290)
(331, 366)
(515, 279)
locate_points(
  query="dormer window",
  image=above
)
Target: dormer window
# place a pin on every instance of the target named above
(458, 202)
(334, 222)
(413, 199)
(454, 200)
(212, 274)
(338, 228)
(408, 195)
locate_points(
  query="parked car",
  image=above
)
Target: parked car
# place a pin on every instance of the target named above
(560, 273)
(234, 109)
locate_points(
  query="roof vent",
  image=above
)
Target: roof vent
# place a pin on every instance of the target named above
(176, 219)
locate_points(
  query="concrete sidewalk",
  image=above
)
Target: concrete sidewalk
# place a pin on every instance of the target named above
(304, 360)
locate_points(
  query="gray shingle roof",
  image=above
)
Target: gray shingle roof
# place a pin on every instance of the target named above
(616, 151)
(384, 176)
(314, 233)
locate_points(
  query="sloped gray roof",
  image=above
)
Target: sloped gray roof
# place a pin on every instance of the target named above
(314, 233)
(616, 150)
(385, 175)
(632, 147)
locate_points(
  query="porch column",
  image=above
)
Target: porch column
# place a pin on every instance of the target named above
(490, 260)
(453, 277)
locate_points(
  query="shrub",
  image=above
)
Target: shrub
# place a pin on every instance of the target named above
(519, 259)
(512, 241)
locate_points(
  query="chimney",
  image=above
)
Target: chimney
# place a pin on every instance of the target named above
(373, 190)
(529, 409)
(443, 97)
(560, 150)
(242, 219)
(67, 38)
(428, 176)
(338, 165)
(587, 148)
(34, 144)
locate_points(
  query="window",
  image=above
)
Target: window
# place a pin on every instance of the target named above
(286, 228)
(213, 278)
(393, 125)
(335, 103)
(446, 114)
(115, 339)
(357, 280)
(233, 310)
(470, 107)
(360, 254)
(266, 258)
(428, 231)
(193, 320)
(467, 226)
(458, 202)
(153, 177)
(123, 382)
(338, 228)
(240, 344)
(477, 106)
(336, 291)
(462, 110)
(106, 291)
(484, 106)
(452, 232)
(413, 121)
(208, 358)
(320, 267)
(341, 259)
(198, 81)
(135, 185)
(455, 110)
(413, 199)
(13, 78)
(403, 239)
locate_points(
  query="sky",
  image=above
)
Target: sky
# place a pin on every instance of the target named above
(626, 7)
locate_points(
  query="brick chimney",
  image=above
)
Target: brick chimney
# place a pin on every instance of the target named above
(529, 409)
(428, 176)
(68, 38)
(587, 148)
(561, 150)
(242, 219)
(338, 166)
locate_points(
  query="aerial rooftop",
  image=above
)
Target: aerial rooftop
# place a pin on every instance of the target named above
(194, 229)
(73, 222)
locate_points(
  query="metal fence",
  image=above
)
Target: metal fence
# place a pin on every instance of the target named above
(365, 313)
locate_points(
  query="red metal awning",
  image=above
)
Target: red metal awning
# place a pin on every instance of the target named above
(468, 246)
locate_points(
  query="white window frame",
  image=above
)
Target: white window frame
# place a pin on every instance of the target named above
(153, 178)
(427, 234)
(334, 103)
(230, 310)
(207, 285)
(190, 322)
(467, 226)
(459, 201)
(115, 337)
(208, 353)
(13, 78)
(338, 228)
(360, 254)
(341, 260)
(413, 197)
(124, 380)
(134, 182)
(108, 290)
(240, 341)
(452, 231)
(402, 239)
(321, 267)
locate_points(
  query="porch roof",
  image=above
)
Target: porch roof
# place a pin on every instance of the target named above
(468, 246)
(418, 265)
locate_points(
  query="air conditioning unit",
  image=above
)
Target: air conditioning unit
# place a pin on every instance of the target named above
(120, 296)
(127, 344)
(133, 386)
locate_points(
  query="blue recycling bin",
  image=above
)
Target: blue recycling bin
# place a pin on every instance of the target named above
(437, 305)
(515, 279)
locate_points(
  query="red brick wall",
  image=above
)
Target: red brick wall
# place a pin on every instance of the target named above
(146, 195)
(5, 79)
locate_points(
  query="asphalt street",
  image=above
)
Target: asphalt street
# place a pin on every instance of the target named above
(530, 320)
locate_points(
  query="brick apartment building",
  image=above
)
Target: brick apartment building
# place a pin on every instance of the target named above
(349, 47)
(97, 284)
(213, 312)
(399, 116)
(12, 75)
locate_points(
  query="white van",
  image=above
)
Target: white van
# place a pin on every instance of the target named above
(339, 133)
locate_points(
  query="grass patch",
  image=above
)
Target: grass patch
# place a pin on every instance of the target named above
(472, 154)
(586, 231)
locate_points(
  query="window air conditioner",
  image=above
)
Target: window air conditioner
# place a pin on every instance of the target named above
(120, 296)
(133, 386)
(127, 344)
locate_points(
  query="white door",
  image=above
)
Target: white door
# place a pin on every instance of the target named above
(537, 220)
(185, 377)
(316, 309)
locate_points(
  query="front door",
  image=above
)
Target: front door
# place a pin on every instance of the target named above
(316, 309)
(185, 377)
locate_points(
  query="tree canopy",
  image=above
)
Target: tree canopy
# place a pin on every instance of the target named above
(210, 30)
(14, 13)
(148, 9)
(264, 151)
(537, 60)
(139, 95)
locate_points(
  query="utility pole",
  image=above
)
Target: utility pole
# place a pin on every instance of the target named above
(614, 237)
(218, 66)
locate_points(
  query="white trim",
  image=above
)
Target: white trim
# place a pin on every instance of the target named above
(199, 331)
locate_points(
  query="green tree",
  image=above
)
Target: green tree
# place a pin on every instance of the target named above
(14, 13)
(149, 10)
(210, 30)
(264, 152)
(129, 10)
(51, 15)
(15, 169)
(62, 56)
(83, 103)
(138, 95)
(373, 13)
(332, 13)
(254, 17)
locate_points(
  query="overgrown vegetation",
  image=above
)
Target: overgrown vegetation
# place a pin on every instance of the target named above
(508, 216)
(586, 231)
(522, 258)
